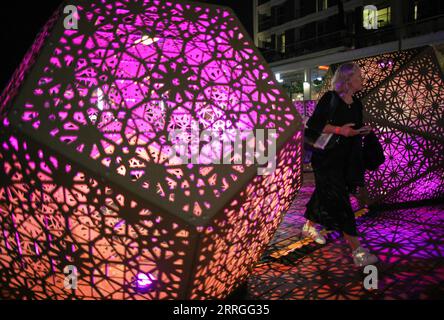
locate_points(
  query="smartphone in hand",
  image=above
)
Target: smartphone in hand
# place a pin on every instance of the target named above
(365, 130)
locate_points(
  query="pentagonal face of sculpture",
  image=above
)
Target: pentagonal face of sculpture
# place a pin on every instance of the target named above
(110, 93)
(86, 179)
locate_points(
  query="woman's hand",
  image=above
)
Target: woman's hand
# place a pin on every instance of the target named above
(347, 131)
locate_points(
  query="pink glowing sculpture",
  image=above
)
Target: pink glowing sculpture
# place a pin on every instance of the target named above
(86, 179)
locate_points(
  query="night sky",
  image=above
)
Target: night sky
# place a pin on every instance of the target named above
(243, 9)
(20, 22)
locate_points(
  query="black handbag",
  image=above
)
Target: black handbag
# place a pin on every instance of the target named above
(372, 152)
(311, 136)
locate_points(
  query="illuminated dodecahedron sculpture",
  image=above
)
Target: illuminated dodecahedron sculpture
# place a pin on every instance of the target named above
(403, 99)
(86, 180)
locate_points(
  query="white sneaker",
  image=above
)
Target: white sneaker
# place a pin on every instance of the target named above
(311, 232)
(362, 257)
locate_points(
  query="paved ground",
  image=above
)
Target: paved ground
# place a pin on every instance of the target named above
(408, 242)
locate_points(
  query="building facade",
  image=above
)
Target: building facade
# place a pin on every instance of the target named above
(301, 38)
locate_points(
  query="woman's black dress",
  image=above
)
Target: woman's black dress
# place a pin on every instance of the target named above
(338, 170)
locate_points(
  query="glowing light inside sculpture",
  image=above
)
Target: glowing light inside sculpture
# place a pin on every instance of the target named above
(145, 280)
(385, 63)
(146, 40)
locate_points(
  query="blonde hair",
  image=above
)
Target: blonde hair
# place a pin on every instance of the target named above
(341, 79)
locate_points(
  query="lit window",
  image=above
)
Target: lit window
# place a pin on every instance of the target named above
(265, 43)
(384, 18)
(322, 5)
(416, 11)
(370, 17)
(282, 43)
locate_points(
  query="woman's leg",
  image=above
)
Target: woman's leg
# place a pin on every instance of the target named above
(361, 256)
(363, 197)
(352, 241)
(309, 228)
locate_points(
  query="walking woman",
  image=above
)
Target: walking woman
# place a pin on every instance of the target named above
(339, 171)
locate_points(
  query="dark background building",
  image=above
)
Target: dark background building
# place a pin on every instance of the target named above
(300, 38)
